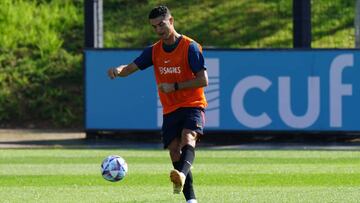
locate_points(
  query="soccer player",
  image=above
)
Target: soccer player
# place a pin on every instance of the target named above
(180, 77)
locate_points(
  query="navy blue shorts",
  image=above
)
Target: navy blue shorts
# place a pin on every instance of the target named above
(191, 118)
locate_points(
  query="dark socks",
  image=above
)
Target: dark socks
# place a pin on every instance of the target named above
(176, 165)
(188, 187)
(186, 159)
(188, 190)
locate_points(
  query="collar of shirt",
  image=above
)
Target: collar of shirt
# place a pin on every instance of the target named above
(170, 48)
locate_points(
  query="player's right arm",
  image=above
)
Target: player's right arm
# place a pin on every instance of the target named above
(122, 70)
(140, 63)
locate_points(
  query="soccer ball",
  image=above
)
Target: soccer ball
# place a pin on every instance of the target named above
(114, 168)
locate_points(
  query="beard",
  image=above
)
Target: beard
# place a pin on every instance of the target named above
(165, 36)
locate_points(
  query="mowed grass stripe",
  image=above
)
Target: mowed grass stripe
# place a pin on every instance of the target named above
(199, 159)
(278, 153)
(81, 153)
(159, 168)
(220, 179)
(163, 194)
(76, 169)
(200, 152)
(299, 194)
(78, 160)
(103, 194)
(277, 168)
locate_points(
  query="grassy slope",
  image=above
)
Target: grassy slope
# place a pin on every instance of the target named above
(221, 176)
(40, 63)
(41, 44)
(231, 24)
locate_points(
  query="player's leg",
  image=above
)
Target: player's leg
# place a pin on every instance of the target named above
(171, 136)
(181, 181)
(187, 157)
(188, 143)
(175, 154)
(193, 128)
(175, 149)
(188, 189)
(183, 166)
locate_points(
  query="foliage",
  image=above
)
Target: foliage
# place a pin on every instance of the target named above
(231, 24)
(40, 63)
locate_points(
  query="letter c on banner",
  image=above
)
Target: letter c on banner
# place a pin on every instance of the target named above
(237, 101)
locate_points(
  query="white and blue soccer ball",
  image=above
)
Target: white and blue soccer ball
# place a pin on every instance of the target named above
(114, 168)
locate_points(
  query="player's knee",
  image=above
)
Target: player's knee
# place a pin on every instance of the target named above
(188, 137)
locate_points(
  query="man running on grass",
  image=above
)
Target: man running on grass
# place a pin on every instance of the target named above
(180, 77)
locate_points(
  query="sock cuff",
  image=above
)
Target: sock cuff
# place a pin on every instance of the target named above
(188, 147)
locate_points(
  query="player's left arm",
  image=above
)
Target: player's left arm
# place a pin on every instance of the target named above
(197, 64)
(200, 80)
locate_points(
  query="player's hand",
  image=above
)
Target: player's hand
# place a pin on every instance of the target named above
(166, 87)
(112, 73)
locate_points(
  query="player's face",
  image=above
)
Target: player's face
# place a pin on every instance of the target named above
(163, 26)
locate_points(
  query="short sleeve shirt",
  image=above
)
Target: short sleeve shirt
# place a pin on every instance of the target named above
(196, 58)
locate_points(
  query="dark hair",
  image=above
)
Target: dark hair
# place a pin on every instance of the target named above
(159, 11)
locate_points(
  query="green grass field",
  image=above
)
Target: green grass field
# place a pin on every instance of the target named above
(60, 175)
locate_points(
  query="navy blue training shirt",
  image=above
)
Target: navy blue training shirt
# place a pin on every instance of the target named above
(196, 58)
